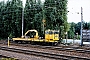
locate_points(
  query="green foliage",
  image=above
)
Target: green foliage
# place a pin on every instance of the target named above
(75, 29)
(54, 12)
(33, 15)
(56, 15)
(9, 59)
(86, 25)
(10, 18)
(62, 32)
(71, 32)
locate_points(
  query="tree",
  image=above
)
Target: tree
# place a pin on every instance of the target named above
(53, 12)
(33, 15)
(89, 25)
(2, 8)
(11, 18)
(56, 15)
(85, 25)
(15, 12)
(78, 28)
(71, 32)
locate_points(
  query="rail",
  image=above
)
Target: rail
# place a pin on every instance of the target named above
(43, 54)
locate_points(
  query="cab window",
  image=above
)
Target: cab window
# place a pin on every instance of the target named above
(50, 32)
(56, 32)
(46, 32)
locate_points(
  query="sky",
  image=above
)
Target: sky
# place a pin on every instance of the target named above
(74, 8)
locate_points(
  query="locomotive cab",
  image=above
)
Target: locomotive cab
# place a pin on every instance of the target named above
(52, 35)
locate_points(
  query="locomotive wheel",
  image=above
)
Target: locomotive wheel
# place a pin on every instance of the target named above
(55, 43)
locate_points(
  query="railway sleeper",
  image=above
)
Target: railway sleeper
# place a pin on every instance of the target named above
(3, 57)
(42, 53)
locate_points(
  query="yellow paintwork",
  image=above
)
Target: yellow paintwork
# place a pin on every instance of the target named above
(51, 40)
(23, 39)
(50, 36)
(28, 39)
(36, 36)
(8, 42)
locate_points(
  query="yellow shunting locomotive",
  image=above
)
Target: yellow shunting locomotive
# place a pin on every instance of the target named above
(51, 36)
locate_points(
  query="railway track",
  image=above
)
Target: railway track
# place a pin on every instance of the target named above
(43, 54)
(1, 56)
(58, 48)
(6, 58)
